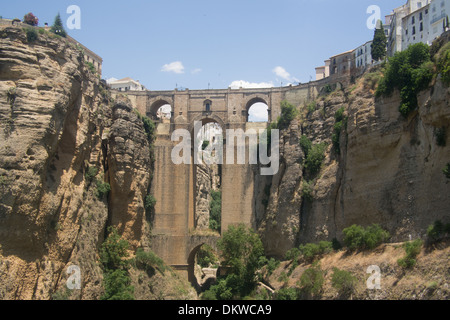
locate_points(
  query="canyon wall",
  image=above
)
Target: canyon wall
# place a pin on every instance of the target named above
(389, 170)
(63, 144)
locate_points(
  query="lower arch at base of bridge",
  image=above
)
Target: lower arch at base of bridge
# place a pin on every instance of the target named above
(183, 260)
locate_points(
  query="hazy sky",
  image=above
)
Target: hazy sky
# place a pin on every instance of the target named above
(201, 44)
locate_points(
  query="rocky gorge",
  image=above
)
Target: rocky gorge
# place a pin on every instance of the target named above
(74, 161)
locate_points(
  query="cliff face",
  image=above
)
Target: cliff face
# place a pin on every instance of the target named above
(50, 110)
(388, 171)
(61, 140)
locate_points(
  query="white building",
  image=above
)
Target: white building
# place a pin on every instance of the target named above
(323, 71)
(363, 55)
(440, 11)
(416, 21)
(125, 84)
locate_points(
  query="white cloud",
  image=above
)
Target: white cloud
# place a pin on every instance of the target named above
(175, 67)
(282, 73)
(258, 113)
(195, 71)
(249, 85)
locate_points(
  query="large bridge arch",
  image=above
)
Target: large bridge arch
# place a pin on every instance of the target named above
(255, 99)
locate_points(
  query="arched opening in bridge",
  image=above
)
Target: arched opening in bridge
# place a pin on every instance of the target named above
(208, 178)
(161, 111)
(203, 263)
(257, 111)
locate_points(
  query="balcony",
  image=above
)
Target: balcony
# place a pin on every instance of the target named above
(440, 17)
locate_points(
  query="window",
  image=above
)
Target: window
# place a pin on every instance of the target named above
(406, 32)
(207, 105)
(414, 30)
(421, 26)
(413, 20)
(426, 11)
(419, 4)
(421, 16)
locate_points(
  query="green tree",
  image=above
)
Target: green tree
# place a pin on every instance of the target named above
(315, 158)
(410, 72)
(116, 279)
(343, 281)
(357, 237)
(58, 27)
(311, 281)
(306, 145)
(412, 250)
(379, 43)
(242, 250)
(288, 113)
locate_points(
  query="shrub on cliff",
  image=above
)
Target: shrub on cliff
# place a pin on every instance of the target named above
(437, 230)
(341, 123)
(357, 237)
(316, 155)
(443, 63)
(344, 282)
(288, 113)
(412, 250)
(32, 35)
(116, 279)
(311, 281)
(103, 188)
(149, 261)
(306, 145)
(409, 71)
(150, 202)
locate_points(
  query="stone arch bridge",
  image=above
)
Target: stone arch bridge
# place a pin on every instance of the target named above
(174, 236)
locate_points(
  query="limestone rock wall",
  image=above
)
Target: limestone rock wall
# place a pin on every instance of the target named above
(389, 170)
(56, 122)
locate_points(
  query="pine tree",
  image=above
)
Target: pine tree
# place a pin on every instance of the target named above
(379, 43)
(58, 27)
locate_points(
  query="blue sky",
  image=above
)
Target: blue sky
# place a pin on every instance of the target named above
(200, 44)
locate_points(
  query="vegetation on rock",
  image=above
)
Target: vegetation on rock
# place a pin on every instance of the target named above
(409, 71)
(116, 278)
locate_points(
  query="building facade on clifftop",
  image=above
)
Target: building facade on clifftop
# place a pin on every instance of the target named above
(126, 84)
(416, 21)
